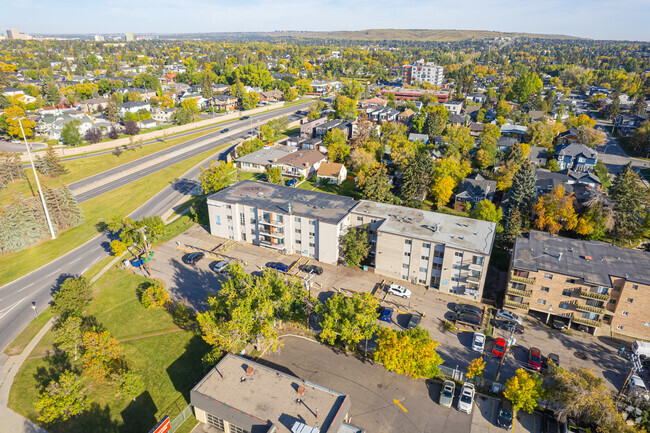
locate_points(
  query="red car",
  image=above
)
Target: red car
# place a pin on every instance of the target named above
(499, 347)
(535, 358)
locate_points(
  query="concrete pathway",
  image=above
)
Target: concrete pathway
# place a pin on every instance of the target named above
(11, 421)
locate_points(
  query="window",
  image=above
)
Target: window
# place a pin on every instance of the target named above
(425, 258)
(426, 245)
(437, 253)
(423, 270)
(567, 292)
(312, 245)
(407, 242)
(422, 281)
(218, 220)
(571, 280)
(454, 279)
(407, 254)
(617, 288)
(296, 219)
(252, 220)
(635, 286)
(405, 277)
(229, 227)
(229, 218)
(458, 254)
(544, 289)
(619, 327)
(243, 237)
(228, 206)
(237, 429)
(548, 276)
(437, 266)
(298, 242)
(563, 306)
(280, 219)
(456, 267)
(625, 313)
(312, 234)
(214, 421)
(359, 219)
(312, 222)
(541, 301)
(242, 218)
(405, 266)
(298, 231)
(477, 260)
(630, 300)
(612, 301)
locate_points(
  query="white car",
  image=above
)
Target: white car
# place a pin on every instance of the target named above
(478, 342)
(219, 267)
(509, 315)
(466, 400)
(637, 388)
(397, 290)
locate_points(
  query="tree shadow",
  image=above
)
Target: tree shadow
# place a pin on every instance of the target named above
(139, 415)
(187, 370)
(192, 284)
(96, 420)
(55, 366)
(60, 280)
(186, 186)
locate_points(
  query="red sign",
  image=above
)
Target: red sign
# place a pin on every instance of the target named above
(163, 426)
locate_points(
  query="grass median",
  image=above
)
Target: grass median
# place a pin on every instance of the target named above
(121, 201)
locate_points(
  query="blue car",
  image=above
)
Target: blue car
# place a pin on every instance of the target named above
(292, 182)
(278, 267)
(386, 314)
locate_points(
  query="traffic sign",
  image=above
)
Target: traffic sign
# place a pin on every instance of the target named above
(163, 426)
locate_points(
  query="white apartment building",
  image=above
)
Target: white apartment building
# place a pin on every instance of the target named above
(422, 71)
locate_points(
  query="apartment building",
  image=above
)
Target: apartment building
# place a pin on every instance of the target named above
(595, 284)
(439, 251)
(295, 221)
(422, 71)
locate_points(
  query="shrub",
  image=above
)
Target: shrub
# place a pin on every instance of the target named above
(183, 316)
(155, 296)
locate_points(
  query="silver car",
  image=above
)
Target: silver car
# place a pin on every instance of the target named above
(447, 393)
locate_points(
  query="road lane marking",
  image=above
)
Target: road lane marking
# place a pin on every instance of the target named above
(52, 273)
(6, 311)
(400, 405)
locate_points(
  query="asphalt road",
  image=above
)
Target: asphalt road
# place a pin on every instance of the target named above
(18, 298)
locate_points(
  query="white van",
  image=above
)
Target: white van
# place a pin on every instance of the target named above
(641, 348)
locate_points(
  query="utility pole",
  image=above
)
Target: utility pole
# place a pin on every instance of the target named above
(38, 183)
(505, 352)
(636, 366)
(146, 248)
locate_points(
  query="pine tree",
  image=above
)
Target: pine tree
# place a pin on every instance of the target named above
(630, 196)
(522, 192)
(513, 229)
(50, 164)
(63, 208)
(639, 106)
(10, 168)
(206, 85)
(52, 93)
(113, 108)
(614, 108)
(416, 178)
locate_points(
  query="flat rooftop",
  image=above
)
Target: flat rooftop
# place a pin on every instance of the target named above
(541, 251)
(271, 396)
(328, 208)
(266, 156)
(459, 232)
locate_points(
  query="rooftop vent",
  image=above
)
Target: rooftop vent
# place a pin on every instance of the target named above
(260, 194)
(559, 256)
(301, 390)
(588, 258)
(250, 370)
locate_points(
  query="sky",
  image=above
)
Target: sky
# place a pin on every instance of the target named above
(595, 19)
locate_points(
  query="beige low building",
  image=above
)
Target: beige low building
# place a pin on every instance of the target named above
(595, 284)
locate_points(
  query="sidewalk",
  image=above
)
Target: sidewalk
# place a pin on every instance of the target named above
(11, 421)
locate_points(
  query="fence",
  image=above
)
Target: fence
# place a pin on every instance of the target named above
(181, 418)
(460, 376)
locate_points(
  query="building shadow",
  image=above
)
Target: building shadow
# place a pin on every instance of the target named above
(139, 415)
(187, 370)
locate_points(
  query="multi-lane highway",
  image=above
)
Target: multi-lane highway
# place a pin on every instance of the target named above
(35, 289)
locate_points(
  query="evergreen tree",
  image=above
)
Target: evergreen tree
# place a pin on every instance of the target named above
(416, 178)
(10, 168)
(614, 108)
(513, 229)
(52, 93)
(522, 192)
(375, 185)
(639, 106)
(630, 197)
(113, 108)
(206, 85)
(21, 224)
(434, 125)
(50, 164)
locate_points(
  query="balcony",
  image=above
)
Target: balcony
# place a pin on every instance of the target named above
(276, 234)
(517, 292)
(475, 267)
(272, 245)
(588, 322)
(591, 295)
(274, 223)
(472, 279)
(523, 280)
(589, 308)
(513, 304)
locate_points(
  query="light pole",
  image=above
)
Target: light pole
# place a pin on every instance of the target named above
(38, 183)
(34, 308)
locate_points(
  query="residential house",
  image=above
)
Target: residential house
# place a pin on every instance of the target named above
(373, 103)
(13, 91)
(473, 190)
(406, 116)
(271, 96)
(475, 129)
(325, 87)
(505, 143)
(584, 177)
(454, 107)
(301, 163)
(594, 284)
(313, 143)
(569, 136)
(477, 98)
(92, 105)
(538, 156)
(456, 120)
(260, 160)
(383, 114)
(162, 116)
(145, 94)
(147, 124)
(628, 123)
(134, 107)
(517, 131)
(308, 129)
(576, 157)
(343, 125)
(224, 102)
(423, 138)
(332, 172)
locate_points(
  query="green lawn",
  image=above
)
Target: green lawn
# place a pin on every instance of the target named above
(17, 346)
(97, 211)
(347, 188)
(169, 364)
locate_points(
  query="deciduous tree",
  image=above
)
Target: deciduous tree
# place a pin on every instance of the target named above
(68, 335)
(72, 297)
(93, 135)
(486, 210)
(215, 177)
(131, 128)
(554, 211)
(274, 175)
(345, 107)
(62, 399)
(101, 351)
(130, 385)
(355, 247)
(337, 148)
(411, 352)
(475, 368)
(70, 133)
(14, 117)
(348, 319)
(524, 390)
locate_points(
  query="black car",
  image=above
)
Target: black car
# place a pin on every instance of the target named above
(554, 358)
(245, 117)
(192, 258)
(469, 309)
(504, 416)
(224, 130)
(508, 326)
(311, 269)
(471, 319)
(414, 321)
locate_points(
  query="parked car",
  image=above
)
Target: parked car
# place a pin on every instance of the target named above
(311, 269)
(397, 290)
(467, 308)
(470, 319)
(447, 393)
(636, 388)
(278, 266)
(466, 400)
(551, 425)
(220, 266)
(559, 324)
(509, 326)
(478, 342)
(192, 258)
(554, 358)
(535, 358)
(292, 182)
(386, 314)
(508, 315)
(499, 348)
(414, 321)
(504, 417)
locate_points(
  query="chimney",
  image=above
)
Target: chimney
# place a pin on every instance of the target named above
(250, 370)
(301, 390)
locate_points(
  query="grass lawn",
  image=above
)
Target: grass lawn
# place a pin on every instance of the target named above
(347, 188)
(17, 346)
(98, 210)
(169, 364)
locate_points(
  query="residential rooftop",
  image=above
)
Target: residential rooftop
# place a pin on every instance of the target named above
(266, 156)
(458, 232)
(328, 208)
(270, 396)
(594, 262)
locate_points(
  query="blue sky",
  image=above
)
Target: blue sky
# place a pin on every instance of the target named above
(597, 19)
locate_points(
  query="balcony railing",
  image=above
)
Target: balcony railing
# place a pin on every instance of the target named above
(588, 322)
(513, 304)
(591, 295)
(272, 223)
(276, 234)
(519, 279)
(517, 292)
(589, 308)
(272, 245)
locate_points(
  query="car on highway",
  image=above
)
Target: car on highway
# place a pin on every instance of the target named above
(467, 308)
(552, 357)
(245, 117)
(278, 266)
(311, 269)
(470, 319)
(447, 393)
(397, 290)
(192, 258)
(466, 400)
(385, 314)
(292, 182)
(499, 348)
(508, 315)
(414, 321)
(535, 358)
(504, 416)
(478, 342)
(224, 130)
(220, 267)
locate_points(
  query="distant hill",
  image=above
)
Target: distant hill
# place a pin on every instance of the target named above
(411, 35)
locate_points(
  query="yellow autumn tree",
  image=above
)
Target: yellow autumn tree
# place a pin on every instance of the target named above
(447, 173)
(476, 367)
(13, 115)
(411, 352)
(554, 211)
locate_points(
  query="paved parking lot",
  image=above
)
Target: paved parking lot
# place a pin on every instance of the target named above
(194, 282)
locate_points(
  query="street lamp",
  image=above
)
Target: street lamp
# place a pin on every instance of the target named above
(34, 308)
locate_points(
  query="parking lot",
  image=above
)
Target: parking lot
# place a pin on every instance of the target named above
(193, 282)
